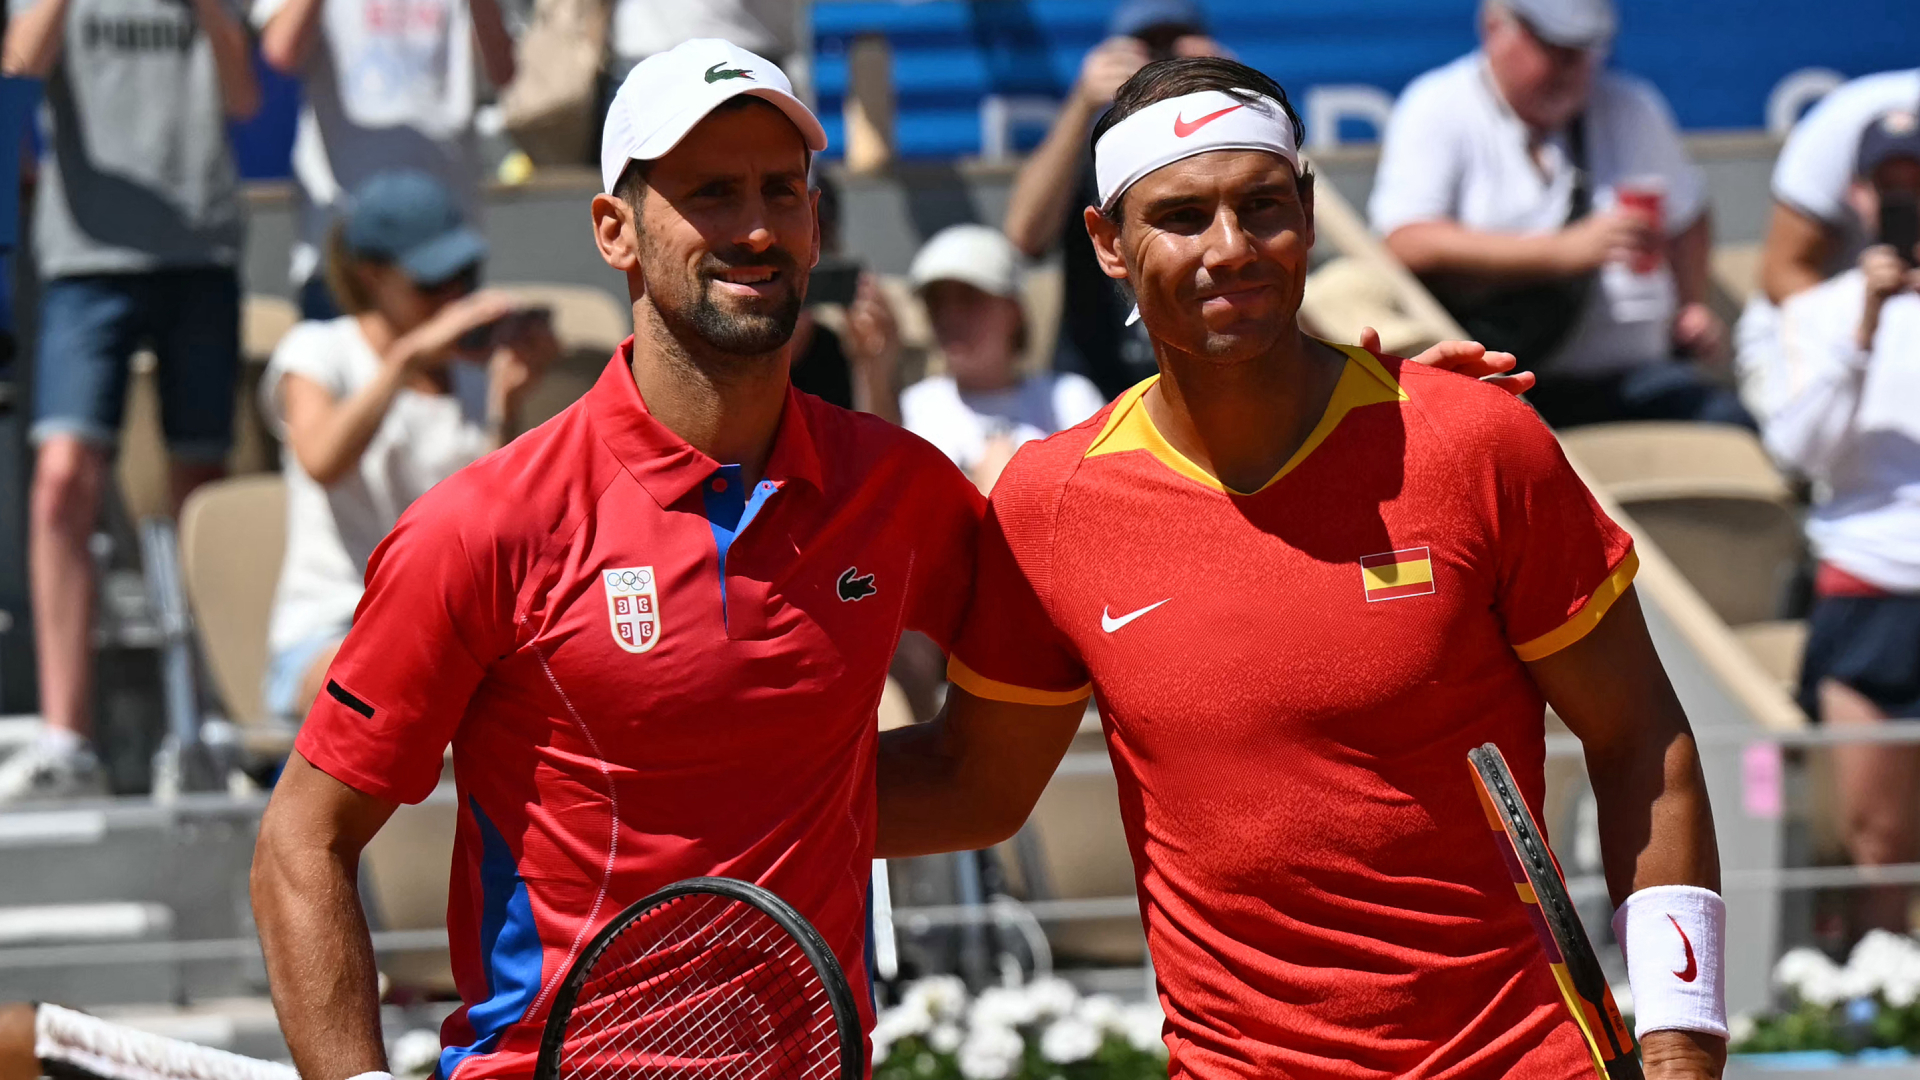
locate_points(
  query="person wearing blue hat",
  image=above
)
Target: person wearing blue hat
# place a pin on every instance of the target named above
(1056, 181)
(421, 376)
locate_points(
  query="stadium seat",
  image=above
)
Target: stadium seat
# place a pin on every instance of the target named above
(405, 867)
(1778, 645)
(264, 320)
(1735, 274)
(1347, 293)
(232, 535)
(1710, 498)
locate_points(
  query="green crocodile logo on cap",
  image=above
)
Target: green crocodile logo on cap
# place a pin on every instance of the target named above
(715, 73)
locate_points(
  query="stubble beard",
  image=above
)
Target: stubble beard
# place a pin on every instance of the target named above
(703, 327)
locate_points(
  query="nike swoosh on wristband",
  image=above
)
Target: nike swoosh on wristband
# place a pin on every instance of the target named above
(1110, 624)
(1183, 128)
(1692, 971)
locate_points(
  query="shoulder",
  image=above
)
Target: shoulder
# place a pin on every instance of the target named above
(1840, 296)
(1850, 105)
(1630, 93)
(314, 340)
(1434, 90)
(936, 392)
(859, 448)
(1042, 468)
(1472, 419)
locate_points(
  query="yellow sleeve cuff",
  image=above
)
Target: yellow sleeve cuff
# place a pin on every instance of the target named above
(980, 686)
(1589, 615)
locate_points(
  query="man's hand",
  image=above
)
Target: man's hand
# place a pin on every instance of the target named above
(1110, 64)
(1603, 237)
(1469, 358)
(1887, 276)
(1699, 333)
(1683, 1055)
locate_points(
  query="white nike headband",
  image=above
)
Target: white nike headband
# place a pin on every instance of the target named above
(1178, 128)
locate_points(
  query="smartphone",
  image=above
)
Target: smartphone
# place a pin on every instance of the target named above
(833, 282)
(487, 337)
(1900, 223)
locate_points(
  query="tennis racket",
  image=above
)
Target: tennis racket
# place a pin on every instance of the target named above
(1570, 954)
(709, 978)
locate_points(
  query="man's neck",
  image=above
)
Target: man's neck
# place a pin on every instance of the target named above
(1243, 422)
(727, 407)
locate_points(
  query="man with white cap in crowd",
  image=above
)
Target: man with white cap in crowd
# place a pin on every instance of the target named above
(982, 408)
(1551, 206)
(654, 631)
(1301, 580)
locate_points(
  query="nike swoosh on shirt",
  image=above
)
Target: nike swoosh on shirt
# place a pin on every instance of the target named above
(1110, 624)
(1692, 970)
(1183, 128)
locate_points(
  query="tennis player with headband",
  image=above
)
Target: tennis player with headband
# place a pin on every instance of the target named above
(654, 631)
(1301, 580)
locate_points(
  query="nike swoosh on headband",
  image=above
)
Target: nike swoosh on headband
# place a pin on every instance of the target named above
(1183, 127)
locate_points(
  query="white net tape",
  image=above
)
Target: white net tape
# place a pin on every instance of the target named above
(114, 1052)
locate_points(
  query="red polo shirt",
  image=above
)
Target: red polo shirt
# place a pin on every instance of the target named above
(646, 674)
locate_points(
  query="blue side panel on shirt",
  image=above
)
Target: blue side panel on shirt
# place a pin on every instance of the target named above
(508, 940)
(729, 512)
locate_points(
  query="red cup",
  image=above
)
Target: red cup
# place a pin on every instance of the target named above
(1644, 198)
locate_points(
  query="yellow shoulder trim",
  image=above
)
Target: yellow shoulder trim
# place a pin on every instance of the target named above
(1128, 427)
(1589, 615)
(979, 685)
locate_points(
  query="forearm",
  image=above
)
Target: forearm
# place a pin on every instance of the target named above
(928, 802)
(876, 388)
(1656, 827)
(492, 42)
(1043, 189)
(232, 58)
(1690, 255)
(1445, 247)
(330, 448)
(33, 40)
(319, 955)
(290, 35)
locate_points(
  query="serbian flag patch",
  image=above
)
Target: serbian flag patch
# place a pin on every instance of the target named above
(1391, 575)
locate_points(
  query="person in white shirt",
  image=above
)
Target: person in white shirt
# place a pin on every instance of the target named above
(387, 84)
(983, 408)
(1552, 208)
(1814, 233)
(419, 379)
(1842, 407)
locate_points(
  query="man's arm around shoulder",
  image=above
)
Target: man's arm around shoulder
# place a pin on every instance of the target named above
(306, 900)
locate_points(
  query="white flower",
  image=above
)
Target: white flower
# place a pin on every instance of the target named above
(1052, 998)
(990, 1052)
(1142, 1024)
(904, 1020)
(415, 1053)
(1810, 975)
(945, 1038)
(943, 996)
(1068, 1040)
(1103, 1012)
(1000, 1007)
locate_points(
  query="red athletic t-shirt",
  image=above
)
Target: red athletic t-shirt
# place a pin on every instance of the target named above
(1290, 682)
(646, 674)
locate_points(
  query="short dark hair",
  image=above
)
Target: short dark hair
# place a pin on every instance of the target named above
(1185, 75)
(631, 187)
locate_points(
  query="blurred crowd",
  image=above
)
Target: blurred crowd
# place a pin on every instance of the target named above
(1546, 200)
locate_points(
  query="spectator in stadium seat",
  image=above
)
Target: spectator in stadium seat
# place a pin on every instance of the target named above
(1843, 407)
(386, 86)
(983, 408)
(1501, 184)
(1814, 233)
(137, 232)
(1056, 183)
(419, 378)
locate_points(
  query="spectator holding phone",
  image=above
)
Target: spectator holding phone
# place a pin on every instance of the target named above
(422, 376)
(1842, 406)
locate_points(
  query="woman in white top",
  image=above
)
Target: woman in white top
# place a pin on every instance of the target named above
(420, 378)
(1842, 399)
(982, 409)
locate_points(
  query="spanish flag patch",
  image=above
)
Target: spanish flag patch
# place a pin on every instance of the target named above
(1391, 575)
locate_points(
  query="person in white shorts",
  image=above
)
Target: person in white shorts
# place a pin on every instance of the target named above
(421, 377)
(983, 408)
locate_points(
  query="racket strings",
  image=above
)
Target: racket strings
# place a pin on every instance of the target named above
(703, 986)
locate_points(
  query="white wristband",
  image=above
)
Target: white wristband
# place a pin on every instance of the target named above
(372, 1076)
(1675, 940)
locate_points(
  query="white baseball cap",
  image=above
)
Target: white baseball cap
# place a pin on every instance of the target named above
(978, 255)
(666, 94)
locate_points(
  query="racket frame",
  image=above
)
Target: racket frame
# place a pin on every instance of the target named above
(1538, 879)
(846, 1012)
